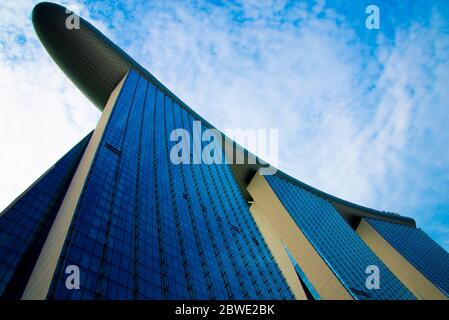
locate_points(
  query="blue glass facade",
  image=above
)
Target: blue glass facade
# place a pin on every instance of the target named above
(419, 249)
(339, 246)
(25, 224)
(145, 228)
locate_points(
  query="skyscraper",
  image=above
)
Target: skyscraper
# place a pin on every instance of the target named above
(139, 226)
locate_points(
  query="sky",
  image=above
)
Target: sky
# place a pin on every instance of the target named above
(362, 114)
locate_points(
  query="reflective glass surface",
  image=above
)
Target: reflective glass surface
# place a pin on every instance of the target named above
(419, 249)
(146, 228)
(339, 246)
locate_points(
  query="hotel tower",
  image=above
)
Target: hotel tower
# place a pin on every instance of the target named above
(116, 212)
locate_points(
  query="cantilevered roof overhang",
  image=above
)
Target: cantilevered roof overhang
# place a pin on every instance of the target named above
(96, 65)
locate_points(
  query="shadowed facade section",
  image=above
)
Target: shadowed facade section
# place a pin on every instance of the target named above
(25, 224)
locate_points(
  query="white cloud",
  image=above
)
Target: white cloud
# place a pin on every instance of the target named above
(42, 114)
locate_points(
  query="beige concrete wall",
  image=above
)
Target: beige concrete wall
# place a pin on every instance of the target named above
(42, 275)
(414, 280)
(267, 204)
(277, 249)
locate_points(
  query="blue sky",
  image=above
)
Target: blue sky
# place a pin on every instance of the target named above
(362, 114)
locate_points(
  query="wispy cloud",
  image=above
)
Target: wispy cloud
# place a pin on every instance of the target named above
(362, 114)
(42, 114)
